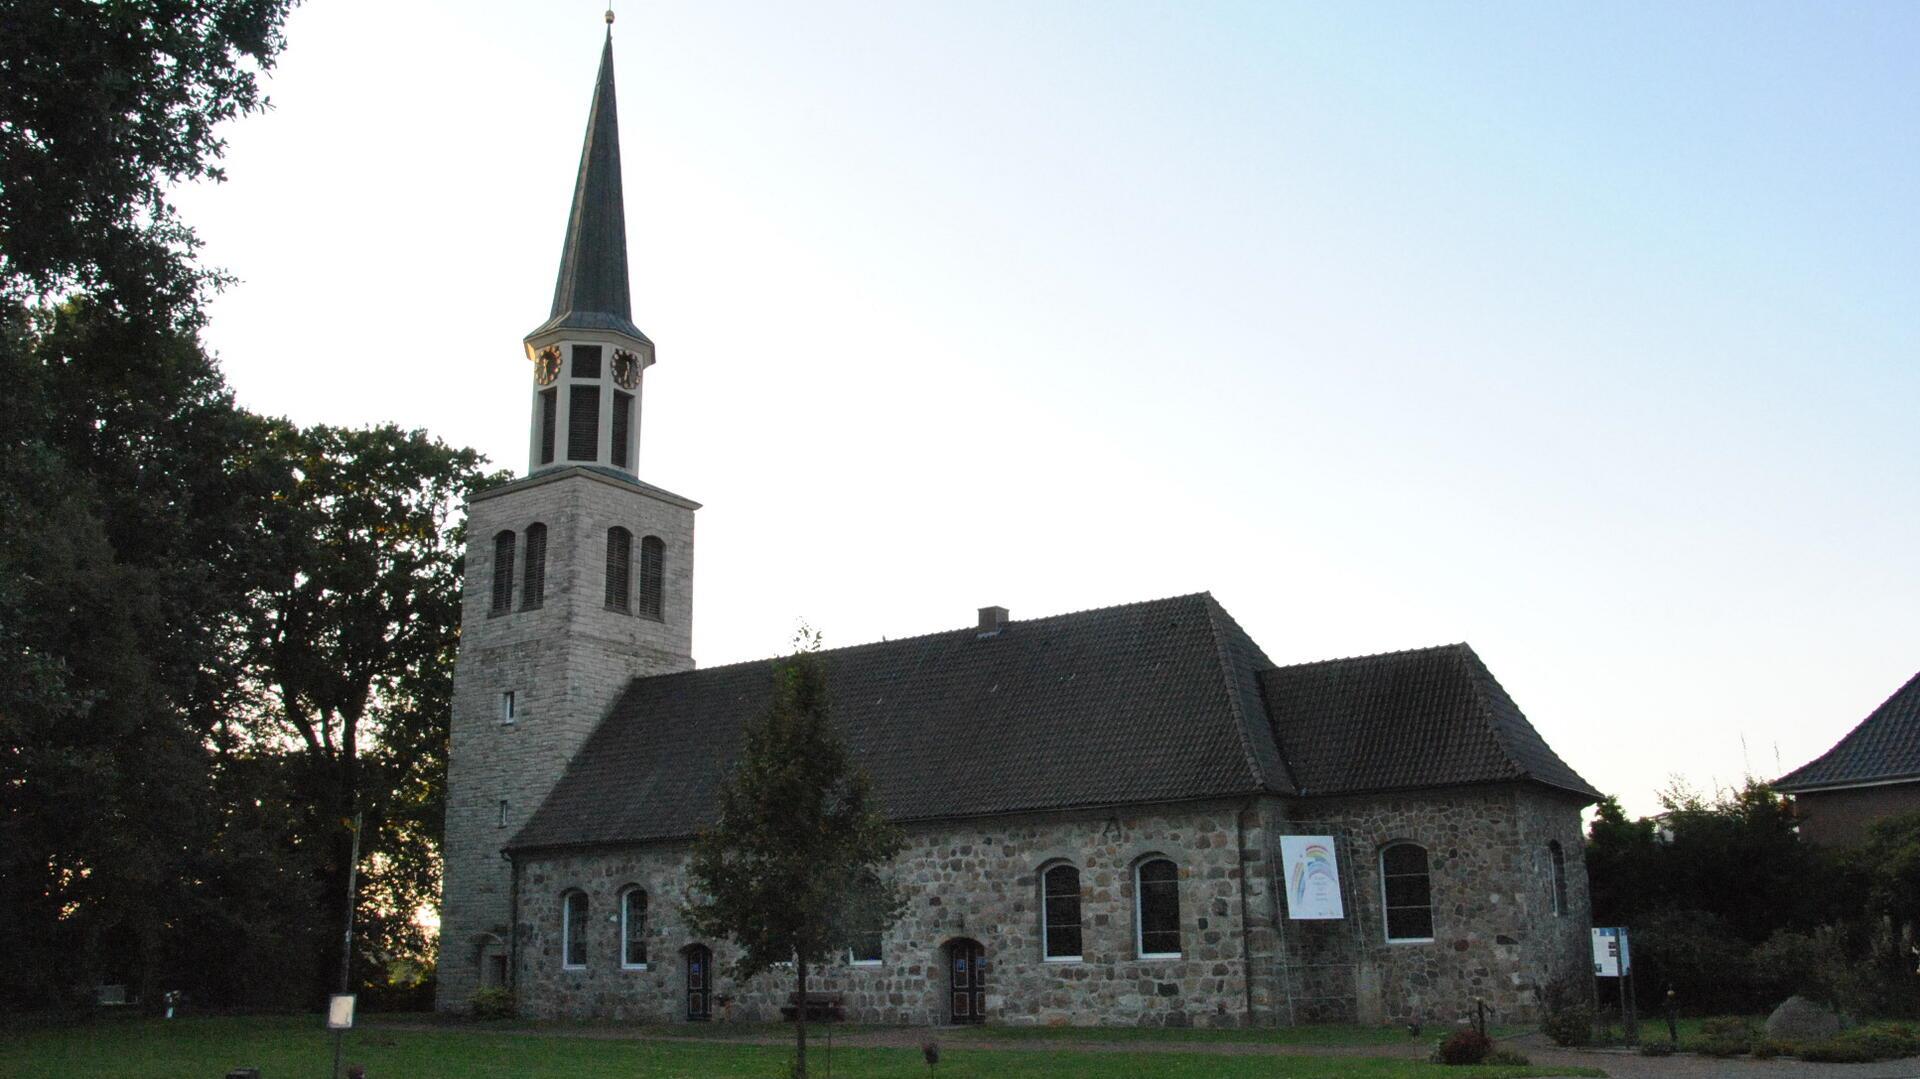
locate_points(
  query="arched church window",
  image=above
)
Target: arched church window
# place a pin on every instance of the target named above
(502, 572)
(619, 567)
(1559, 860)
(633, 929)
(653, 568)
(1406, 892)
(573, 929)
(1060, 912)
(533, 587)
(1156, 902)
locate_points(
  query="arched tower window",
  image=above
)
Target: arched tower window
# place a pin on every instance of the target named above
(1406, 892)
(653, 568)
(1156, 909)
(502, 572)
(533, 586)
(573, 929)
(633, 929)
(1559, 860)
(1060, 912)
(619, 567)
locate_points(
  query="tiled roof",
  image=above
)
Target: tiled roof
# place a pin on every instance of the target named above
(1121, 705)
(1161, 701)
(1424, 718)
(1885, 746)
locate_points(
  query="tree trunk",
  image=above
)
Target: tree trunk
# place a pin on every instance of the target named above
(800, 1019)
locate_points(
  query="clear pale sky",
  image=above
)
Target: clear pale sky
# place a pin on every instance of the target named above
(1586, 334)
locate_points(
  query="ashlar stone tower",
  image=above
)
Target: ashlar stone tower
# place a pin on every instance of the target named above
(579, 577)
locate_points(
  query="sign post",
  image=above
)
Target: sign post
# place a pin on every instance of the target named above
(339, 1020)
(1612, 958)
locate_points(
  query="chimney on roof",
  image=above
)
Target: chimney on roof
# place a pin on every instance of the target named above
(992, 621)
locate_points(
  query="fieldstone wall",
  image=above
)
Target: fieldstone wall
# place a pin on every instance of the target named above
(977, 881)
(1496, 936)
(564, 660)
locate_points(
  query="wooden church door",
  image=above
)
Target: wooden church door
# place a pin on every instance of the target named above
(967, 973)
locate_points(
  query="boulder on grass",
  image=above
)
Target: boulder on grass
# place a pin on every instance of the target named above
(1799, 1020)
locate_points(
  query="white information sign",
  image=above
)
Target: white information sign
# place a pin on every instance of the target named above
(1313, 877)
(1611, 959)
(340, 1012)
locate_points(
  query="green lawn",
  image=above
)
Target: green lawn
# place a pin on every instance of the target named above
(284, 1048)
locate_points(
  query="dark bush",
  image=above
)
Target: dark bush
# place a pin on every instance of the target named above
(1767, 1049)
(493, 1003)
(1568, 1017)
(1723, 1037)
(1839, 1050)
(1657, 1049)
(1503, 1055)
(1465, 1047)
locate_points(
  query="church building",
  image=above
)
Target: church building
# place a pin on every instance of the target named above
(1127, 816)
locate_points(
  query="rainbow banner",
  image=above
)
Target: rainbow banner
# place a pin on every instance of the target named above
(1313, 877)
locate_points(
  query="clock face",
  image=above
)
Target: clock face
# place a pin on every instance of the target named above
(546, 365)
(626, 369)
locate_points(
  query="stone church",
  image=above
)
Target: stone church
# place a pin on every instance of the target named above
(1101, 806)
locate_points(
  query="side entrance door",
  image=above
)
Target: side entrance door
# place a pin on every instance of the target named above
(967, 973)
(699, 983)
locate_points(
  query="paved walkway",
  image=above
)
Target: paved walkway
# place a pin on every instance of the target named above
(1618, 1064)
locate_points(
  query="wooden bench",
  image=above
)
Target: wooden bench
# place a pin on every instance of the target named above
(820, 1006)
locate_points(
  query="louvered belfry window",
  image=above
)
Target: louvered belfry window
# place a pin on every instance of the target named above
(619, 567)
(533, 589)
(586, 361)
(583, 422)
(622, 426)
(653, 568)
(549, 416)
(502, 572)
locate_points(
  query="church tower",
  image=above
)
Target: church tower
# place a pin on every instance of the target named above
(579, 577)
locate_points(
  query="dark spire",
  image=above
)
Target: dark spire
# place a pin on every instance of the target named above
(591, 293)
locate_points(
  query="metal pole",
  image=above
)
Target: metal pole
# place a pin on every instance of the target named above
(346, 939)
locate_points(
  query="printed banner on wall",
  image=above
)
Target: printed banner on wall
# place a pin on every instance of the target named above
(1313, 877)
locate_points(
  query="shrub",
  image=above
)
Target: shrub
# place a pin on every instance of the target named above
(493, 1003)
(1723, 1037)
(1465, 1047)
(1768, 1048)
(1504, 1055)
(1837, 1050)
(1569, 1016)
(1657, 1049)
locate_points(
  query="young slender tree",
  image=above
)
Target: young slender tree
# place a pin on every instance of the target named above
(791, 870)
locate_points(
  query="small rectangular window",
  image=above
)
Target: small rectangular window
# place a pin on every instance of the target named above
(503, 813)
(622, 426)
(549, 415)
(506, 707)
(583, 423)
(586, 361)
(866, 950)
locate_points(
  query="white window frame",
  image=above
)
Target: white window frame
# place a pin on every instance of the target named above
(1140, 910)
(1045, 957)
(1386, 923)
(507, 714)
(626, 905)
(567, 958)
(869, 963)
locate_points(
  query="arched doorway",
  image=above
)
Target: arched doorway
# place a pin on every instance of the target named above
(699, 964)
(966, 981)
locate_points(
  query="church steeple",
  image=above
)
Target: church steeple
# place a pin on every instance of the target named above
(589, 356)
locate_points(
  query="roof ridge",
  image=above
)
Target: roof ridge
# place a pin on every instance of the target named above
(1374, 655)
(1213, 608)
(944, 632)
(1478, 675)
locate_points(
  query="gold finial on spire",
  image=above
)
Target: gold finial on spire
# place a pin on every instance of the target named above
(609, 15)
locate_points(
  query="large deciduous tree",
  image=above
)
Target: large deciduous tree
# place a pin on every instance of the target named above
(103, 106)
(348, 651)
(791, 872)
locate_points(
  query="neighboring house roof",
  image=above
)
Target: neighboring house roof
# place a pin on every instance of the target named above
(1424, 718)
(1167, 700)
(1884, 747)
(591, 291)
